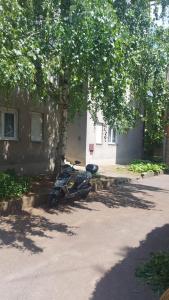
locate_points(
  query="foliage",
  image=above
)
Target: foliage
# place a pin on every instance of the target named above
(140, 166)
(12, 185)
(56, 47)
(155, 272)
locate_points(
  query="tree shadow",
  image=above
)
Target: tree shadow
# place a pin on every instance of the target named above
(120, 282)
(19, 231)
(69, 207)
(128, 195)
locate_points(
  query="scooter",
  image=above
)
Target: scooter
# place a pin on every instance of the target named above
(72, 183)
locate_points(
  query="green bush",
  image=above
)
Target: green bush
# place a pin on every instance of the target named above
(12, 185)
(156, 272)
(140, 166)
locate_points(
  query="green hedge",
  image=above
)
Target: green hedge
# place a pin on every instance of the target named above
(12, 185)
(140, 166)
(156, 272)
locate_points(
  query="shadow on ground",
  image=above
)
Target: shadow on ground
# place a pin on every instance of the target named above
(19, 231)
(129, 195)
(120, 282)
(69, 206)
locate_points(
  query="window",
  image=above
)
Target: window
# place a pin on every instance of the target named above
(99, 133)
(111, 135)
(36, 127)
(8, 124)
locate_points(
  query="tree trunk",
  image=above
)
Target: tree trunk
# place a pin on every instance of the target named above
(64, 96)
(63, 113)
(61, 145)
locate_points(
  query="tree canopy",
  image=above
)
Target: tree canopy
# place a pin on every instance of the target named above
(107, 55)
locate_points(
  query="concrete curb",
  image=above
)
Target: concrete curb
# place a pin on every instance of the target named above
(151, 174)
(105, 183)
(16, 206)
(11, 206)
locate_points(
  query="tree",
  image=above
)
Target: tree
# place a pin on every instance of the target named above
(85, 55)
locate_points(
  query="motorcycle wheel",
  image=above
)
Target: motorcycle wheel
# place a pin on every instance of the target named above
(84, 193)
(54, 199)
(84, 196)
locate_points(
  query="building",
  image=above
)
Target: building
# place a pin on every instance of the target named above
(28, 134)
(29, 131)
(97, 143)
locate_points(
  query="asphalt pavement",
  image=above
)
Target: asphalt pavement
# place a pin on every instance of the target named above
(86, 251)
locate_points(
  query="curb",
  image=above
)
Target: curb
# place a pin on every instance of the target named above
(16, 206)
(105, 183)
(151, 174)
(11, 206)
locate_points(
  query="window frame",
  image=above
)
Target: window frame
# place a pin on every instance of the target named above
(114, 142)
(4, 111)
(99, 124)
(33, 140)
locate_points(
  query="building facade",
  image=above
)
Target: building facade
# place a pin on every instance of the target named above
(28, 134)
(98, 143)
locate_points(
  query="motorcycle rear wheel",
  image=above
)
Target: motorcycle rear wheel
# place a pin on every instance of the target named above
(84, 192)
(84, 196)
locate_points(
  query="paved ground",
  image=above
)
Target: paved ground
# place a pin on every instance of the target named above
(88, 251)
(118, 171)
(115, 171)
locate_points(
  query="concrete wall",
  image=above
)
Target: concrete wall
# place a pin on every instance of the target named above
(130, 145)
(23, 155)
(82, 133)
(127, 147)
(104, 153)
(76, 139)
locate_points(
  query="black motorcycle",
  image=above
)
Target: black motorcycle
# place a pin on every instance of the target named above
(72, 183)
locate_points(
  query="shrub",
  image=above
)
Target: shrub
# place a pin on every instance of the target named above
(12, 185)
(156, 272)
(140, 166)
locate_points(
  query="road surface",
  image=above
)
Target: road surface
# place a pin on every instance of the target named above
(88, 251)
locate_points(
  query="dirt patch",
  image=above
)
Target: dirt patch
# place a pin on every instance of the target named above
(42, 182)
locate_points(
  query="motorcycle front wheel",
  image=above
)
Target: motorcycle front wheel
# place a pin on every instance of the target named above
(54, 198)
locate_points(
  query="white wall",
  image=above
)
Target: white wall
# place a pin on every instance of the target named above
(82, 133)
(127, 147)
(103, 153)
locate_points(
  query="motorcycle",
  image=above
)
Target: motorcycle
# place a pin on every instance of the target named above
(72, 183)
